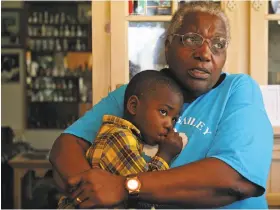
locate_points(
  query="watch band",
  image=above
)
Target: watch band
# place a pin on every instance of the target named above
(133, 186)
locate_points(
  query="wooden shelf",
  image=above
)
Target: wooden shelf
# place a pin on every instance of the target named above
(159, 7)
(144, 18)
(67, 77)
(273, 199)
(273, 17)
(276, 130)
(53, 102)
(58, 37)
(59, 24)
(52, 52)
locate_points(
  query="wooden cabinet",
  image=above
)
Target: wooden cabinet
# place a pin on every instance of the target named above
(265, 69)
(273, 184)
(265, 42)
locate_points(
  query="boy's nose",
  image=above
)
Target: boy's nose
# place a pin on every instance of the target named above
(168, 124)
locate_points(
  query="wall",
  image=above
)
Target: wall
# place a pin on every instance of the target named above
(13, 115)
(13, 111)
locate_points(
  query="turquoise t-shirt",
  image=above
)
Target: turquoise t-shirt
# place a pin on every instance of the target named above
(229, 123)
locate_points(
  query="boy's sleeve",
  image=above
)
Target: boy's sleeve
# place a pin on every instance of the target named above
(122, 156)
(88, 125)
(244, 138)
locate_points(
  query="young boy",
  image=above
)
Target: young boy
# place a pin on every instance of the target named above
(152, 104)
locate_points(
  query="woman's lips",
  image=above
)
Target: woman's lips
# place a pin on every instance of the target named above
(199, 73)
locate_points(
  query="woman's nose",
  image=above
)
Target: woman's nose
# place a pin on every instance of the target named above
(203, 53)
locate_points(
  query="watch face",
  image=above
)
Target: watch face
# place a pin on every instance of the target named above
(132, 184)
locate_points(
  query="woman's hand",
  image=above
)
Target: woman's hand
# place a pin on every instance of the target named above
(98, 188)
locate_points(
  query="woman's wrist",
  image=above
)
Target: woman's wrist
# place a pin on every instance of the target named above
(123, 189)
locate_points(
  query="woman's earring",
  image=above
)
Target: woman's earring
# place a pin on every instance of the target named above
(166, 66)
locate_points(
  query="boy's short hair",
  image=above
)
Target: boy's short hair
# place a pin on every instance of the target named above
(146, 82)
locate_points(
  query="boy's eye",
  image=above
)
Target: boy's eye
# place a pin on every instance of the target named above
(163, 112)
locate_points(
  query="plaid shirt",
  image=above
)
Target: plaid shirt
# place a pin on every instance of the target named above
(118, 149)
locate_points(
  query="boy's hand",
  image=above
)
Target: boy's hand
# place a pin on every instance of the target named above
(170, 146)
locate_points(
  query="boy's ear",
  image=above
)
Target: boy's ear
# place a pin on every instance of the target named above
(132, 104)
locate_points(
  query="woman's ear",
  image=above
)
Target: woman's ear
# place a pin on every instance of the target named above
(167, 44)
(132, 104)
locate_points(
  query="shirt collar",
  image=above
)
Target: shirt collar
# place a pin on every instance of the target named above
(122, 123)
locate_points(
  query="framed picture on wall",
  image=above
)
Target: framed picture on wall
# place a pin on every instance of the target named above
(12, 65)
(10, 29)
(11, 4)
(84, 13)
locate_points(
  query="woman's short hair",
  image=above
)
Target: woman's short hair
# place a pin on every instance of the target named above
(209, 7)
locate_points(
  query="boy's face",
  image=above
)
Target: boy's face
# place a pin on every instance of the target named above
(157, 113)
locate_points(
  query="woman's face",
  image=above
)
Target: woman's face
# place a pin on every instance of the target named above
(198, 70)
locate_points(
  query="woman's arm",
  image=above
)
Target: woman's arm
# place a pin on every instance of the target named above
(207, 183)
(204, 184)
(68, 158)
(68, 152)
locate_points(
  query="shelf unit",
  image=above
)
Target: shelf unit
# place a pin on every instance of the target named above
(59, 62)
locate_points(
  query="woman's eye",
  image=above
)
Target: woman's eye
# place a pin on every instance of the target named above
(218, 46)
(163, 112)
(192, 40)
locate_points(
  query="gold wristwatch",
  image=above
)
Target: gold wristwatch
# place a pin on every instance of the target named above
(133, 185)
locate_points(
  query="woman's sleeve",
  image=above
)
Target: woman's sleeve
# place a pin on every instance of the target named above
(244, 138)
(88, 125)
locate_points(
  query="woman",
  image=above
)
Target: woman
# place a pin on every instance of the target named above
(223, 117)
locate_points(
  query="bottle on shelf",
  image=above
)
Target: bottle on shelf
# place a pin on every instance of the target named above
(78, 45)
(73, 31)
(55, 32)
(51, 44)
(57, 44)
(40, 17)
(30, 31)
(65, 44)
(62, 18)
(83, 47)
(35, 18)
(79, 31)
(66, 31)
(55, 72)
(30, 19)
(51, 19)
(34, 69)
(56, 19)
(55, 96)
(45, 46)
(43, 30)
(46, 17)
(61, 31)
(49, 31)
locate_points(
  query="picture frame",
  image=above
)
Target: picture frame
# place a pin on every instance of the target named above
(11, 29)
(84, 12)
(8, 4)
(12, 66)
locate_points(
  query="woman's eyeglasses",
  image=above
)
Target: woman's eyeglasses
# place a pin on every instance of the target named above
(217, 44)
